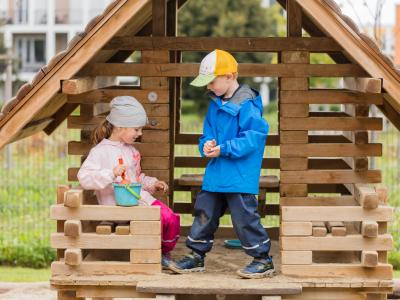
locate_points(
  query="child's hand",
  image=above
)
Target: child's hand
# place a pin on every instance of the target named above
(118, 170)
(161, 186)
(214, 152)
(208, 146)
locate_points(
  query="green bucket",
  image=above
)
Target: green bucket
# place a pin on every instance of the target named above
(127, 194)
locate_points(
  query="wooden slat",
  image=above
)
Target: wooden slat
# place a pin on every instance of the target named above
(85, 123)
(330, 150)
(201, 162)
(146, 149)
(296, 228)
(296, 257)
(110, 292)
(105, 213)
(106, 95)
(334, 123)
(337, 243)
(331, 176)
(160, 174)
(318, 201)
(234, 44)
(335, 213)
(330, 97)
(109, 241)
(85, 84)
(272, 140)
(197, 180)
(382, 271)
(187, 208)
(103, 268)
(245, 70)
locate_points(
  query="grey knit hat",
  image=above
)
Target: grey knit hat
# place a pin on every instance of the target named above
(126, 111)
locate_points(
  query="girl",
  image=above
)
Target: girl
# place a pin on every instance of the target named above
(113, 144)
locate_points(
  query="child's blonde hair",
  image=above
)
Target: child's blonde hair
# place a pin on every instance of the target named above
(102, 131)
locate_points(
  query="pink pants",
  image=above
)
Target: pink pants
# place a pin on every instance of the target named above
(170, 227)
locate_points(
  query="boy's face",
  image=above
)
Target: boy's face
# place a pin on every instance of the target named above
(220, 85)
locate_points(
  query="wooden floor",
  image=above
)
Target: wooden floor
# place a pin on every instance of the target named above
(220, 277)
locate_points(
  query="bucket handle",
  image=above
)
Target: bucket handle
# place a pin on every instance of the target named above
(132, 192)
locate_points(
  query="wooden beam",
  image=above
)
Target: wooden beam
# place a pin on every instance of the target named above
(159, 17)
(330, 97)
(333, 123)
(32, 128)
(245, 70)
(330, 176)
(364, 85)
(100, 213)
(335, 213)
(85, 84)
(231, 44)
(330, 150)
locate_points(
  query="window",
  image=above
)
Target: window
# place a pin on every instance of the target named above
(21, 12)
(31, 52)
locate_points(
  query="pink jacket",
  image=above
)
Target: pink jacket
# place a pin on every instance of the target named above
(96, 173)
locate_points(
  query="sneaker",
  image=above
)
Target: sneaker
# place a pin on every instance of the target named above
(192, 262)
(166, 260)
(258, 268)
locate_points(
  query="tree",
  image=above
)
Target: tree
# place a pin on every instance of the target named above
(227, 18)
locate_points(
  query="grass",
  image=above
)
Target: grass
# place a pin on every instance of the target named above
(19, 274)
(396, 274)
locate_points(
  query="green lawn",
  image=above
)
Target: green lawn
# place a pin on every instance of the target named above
(396, 274)
(18, 274)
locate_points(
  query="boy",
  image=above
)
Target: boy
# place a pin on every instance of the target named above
(234, 137)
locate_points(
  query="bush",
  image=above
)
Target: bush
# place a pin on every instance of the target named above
(33, 256)
(394, 259)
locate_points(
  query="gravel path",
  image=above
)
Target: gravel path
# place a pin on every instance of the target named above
(27, 291)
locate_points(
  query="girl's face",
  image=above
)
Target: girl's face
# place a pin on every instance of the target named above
(128, 135)
(220, 85)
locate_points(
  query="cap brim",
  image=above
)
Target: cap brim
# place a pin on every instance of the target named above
(203, 80)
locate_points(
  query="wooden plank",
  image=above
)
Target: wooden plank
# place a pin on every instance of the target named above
(296, 257)
(366, 85)
(85, 123)
(110, 241)
(336, 228)
(85, 84)
(122, 229)
(319, 229)
(296, 228)
(110, 292)
(245, 69)
(160, 174)
(232, 44)
(332, 123)
(294, 19)
(337, 243)
(145, 256)
(32, 128)
(330, 150)
(159, 17)
(145, 227)
(106, 213)
(382, 271)
(329, 97)
(293, 190)
(197, 180)
(335, 213)
(318, 201)
(146, 149)
(106, 95)
(330, 176)
(103, 268)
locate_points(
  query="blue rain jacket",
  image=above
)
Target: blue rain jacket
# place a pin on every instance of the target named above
(239, 128)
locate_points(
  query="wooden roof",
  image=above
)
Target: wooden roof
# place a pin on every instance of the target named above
(39, 105)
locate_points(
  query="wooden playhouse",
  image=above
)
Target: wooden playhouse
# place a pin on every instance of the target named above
(333, 238)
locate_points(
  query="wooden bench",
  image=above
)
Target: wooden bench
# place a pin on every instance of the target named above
(194, 182)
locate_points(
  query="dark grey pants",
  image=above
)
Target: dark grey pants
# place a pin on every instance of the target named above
(210, 206)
